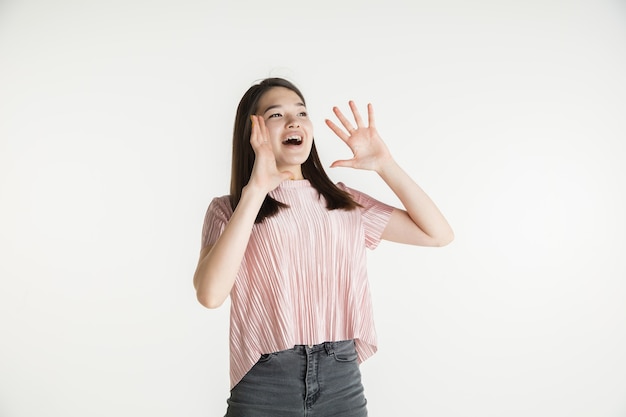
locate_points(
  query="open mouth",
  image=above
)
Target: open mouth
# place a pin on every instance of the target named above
(293, 140)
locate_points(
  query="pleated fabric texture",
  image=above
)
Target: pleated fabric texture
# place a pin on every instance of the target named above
(303, 279)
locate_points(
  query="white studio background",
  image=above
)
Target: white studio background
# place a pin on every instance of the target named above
(115, 133)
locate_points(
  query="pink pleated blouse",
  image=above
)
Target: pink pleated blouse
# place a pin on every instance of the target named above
(303, 279)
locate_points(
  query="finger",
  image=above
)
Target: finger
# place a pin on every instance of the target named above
(370, 115)
(348, 163)
(264, 132)
(337, 130)
(357, 115)
(263, 129)
(259, 132)
(344, 121)
(254, 130)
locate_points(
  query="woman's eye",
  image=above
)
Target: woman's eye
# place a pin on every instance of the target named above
(274, 115)
(303, 114)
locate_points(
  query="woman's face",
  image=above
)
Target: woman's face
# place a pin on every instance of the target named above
(289, 127)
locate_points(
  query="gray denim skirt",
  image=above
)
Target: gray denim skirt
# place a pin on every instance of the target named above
(314, 381)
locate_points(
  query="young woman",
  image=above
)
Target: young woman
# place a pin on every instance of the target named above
(288, 246)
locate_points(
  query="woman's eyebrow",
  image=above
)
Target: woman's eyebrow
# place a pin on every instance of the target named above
(273, 106)
(277, 106)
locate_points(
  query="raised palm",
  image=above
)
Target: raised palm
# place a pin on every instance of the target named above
(369, 150)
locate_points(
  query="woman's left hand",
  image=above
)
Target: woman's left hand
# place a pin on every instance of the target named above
(370, 152)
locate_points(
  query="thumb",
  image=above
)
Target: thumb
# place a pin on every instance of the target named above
(342, 163)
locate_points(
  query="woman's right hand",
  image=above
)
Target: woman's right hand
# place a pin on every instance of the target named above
(265, 175)
(218, 264)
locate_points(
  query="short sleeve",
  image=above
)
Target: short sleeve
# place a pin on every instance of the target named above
(375, 215)
(217, 215)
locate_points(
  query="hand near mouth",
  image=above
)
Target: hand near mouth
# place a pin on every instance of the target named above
(265, 174)
(369, 150)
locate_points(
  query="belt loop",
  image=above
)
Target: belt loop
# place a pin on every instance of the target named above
(330, 348)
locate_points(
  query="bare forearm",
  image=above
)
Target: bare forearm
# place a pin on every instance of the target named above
(420, 208)
(217, 269)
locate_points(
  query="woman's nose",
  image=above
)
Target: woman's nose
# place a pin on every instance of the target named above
(292, 122)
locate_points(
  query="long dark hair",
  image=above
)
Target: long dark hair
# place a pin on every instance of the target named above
(243, 157)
